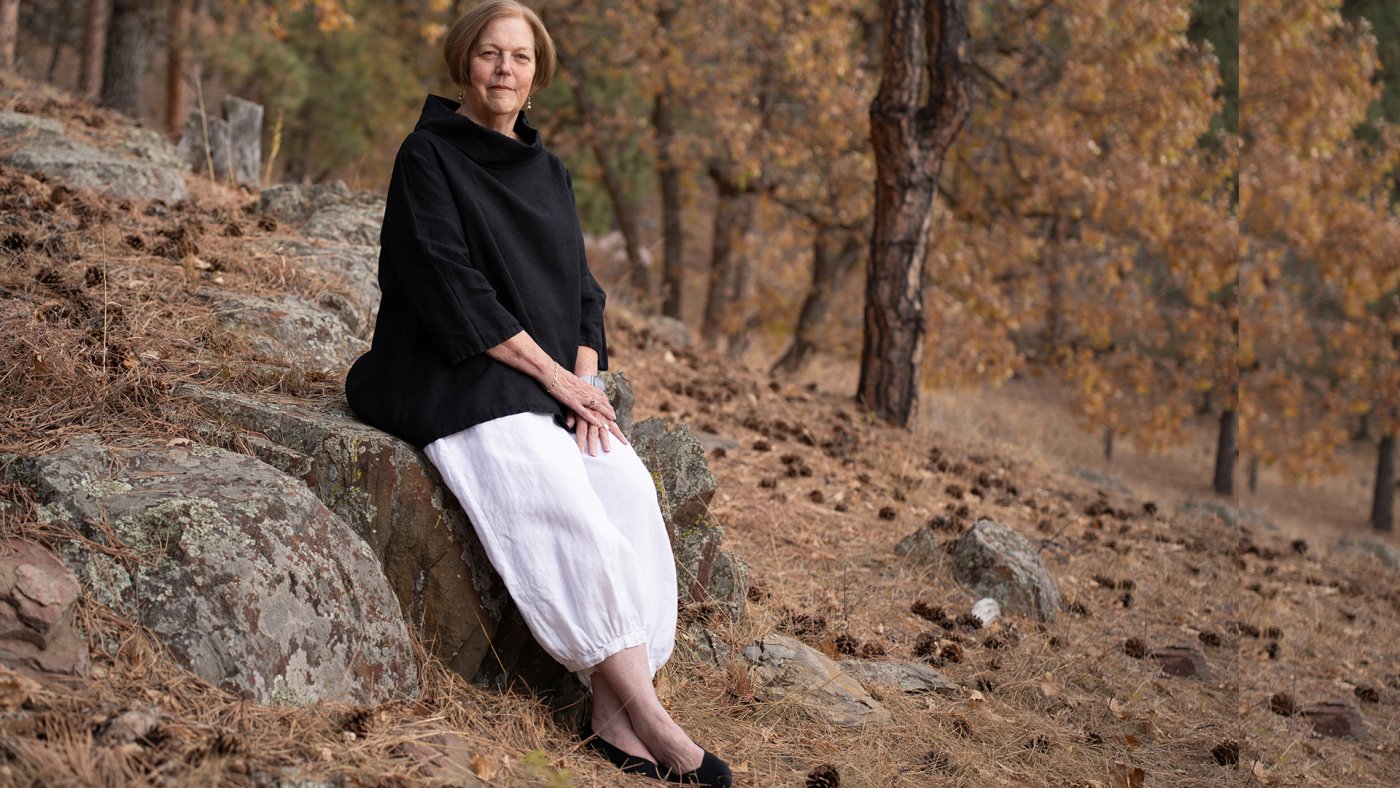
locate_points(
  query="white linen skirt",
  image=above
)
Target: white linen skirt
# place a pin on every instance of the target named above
(578, 540)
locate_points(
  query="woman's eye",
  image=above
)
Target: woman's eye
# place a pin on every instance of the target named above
(523, 58)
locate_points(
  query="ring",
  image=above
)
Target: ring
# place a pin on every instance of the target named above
(591, 402)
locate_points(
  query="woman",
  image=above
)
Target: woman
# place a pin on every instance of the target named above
(487, 303)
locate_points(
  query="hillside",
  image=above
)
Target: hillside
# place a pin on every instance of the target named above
(106, 312)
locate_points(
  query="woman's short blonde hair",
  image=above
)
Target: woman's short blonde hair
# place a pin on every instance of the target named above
(467, 29)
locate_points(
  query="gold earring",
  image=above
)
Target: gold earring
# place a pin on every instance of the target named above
(529, 102)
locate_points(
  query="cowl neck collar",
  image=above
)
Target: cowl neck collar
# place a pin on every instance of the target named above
(487, 147)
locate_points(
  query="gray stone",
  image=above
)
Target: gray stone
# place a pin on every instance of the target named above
(347, 223)
(152, 146)
(1104, 480)
(911, 678)
(697, 643)
(85, 167)
(790, 671)
(245, 119)
(393, 498)
(288, 203)
(1386, 553)
(248, 578)
(669, 330)
(621, 397)
(15, 125)
(728, 584)
(205, 144)
(37, 593)
(921, 545)
(991, 560)
(286, 330)
(353, 272)
(1335, 718)
(1185, 660)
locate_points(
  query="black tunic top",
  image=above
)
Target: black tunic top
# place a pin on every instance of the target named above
(481, 240)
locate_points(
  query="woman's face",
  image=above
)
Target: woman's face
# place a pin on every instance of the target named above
(500, 69)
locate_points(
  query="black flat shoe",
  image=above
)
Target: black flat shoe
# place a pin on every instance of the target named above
(619, 757)
(711, 772)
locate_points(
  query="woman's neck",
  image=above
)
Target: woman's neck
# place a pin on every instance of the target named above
(502, 124)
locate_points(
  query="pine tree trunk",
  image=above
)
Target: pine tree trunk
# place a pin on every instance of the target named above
(834, 254)
(177, 64)
(1108, 444)
(925, 59)
(94, 39)
(124, 67)
(1226, 449)
(1253, 474)
(726, 301)
(1383, 501)
(9, 32)
(668, 172)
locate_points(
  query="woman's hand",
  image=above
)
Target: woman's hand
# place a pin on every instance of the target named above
(593, 417)
(591, 437)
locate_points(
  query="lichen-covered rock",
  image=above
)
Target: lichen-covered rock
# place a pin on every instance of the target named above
(390, 495)
(356, 222)
(85, 167)
(353, 272)
(921, 545)
(248, 578)
(790, 671)
(991, 560)
(621, 397)
(37, 593)
(286, 330)
(911, 678)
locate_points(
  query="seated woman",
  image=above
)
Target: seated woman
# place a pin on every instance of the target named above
(487, 306)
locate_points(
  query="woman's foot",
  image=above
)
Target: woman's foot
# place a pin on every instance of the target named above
(665, 740)
(711, 772)
(627, 762)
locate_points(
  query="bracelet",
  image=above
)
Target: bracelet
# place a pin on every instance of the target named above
(553, 378)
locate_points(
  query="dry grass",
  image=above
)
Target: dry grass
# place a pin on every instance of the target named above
(99, 329)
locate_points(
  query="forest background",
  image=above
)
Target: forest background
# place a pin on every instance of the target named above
(1182, 210)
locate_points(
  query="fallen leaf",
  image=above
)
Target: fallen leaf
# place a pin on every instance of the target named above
(1124, 776)
(1049, 687)
(1262, 775)
(484, 767)
(15, 690)
(1119, 710)
(1132, 741)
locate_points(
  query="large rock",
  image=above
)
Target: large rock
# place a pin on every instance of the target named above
(393, 498)
(356, 222)
(685, 486)
(248, 578)
(1386, 553)
(85, 167)
(991, 560)
(328, 211)
(37, 593)
(790, 671)
(355, 269)
(232, 145)
(286, 330)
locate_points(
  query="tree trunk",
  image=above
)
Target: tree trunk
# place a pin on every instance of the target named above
(925, 59)
(624, 211)
(9, 32)
(1253, 474)
(727, 299)
(94, 38)
(669, 174)
(1226, 449)
(1383, 502)
(125, 59)
(1108, 444)
(834, 254)
(177, 64)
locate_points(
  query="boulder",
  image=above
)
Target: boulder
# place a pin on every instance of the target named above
(389, 494)
(1334, 718)
(286, 330)
(991, 560)
(622, 398)
(231, 144)
(790, 671)
(37, 593)
(1185, 660)
(354, 268)
(85, 167)
(911, 678)
(351, 223)
(1386, 553)
(245, 575)
(685, 486)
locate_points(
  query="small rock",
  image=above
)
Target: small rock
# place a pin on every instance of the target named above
(1182, 660)
(992, 560)
(37, 593)
(791, 671)
(1334, 718)
(911, 678)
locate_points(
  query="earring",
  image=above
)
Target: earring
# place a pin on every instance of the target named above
(460, 95)
(529, 102)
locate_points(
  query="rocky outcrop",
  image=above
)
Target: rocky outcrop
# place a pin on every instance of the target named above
(328, 211)
(37, 593)
(911, 678)
(244, 574)
(232, 145)
(790, 671)
(44, 148)
(685, 485)
(286, 330)
(388, 493)
(353, 269)
(991, 560)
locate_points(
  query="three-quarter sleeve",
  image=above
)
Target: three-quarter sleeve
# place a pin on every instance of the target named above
(424, 240)
(592, 297)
